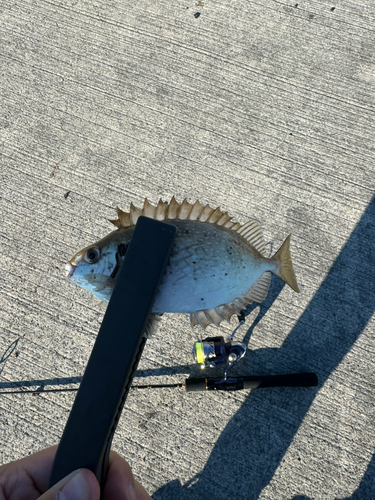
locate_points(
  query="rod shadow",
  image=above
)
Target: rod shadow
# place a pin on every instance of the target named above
(7, 354)
(63, 381)
(248, 452)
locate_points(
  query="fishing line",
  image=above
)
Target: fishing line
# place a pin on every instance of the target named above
(133, 387)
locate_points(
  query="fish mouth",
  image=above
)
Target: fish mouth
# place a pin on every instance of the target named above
(70, 268)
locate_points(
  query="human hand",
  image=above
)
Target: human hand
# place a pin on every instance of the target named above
(27, 479)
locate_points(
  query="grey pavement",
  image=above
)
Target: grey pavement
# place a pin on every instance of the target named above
(264, 108)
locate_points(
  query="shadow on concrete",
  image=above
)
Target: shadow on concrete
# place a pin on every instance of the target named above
(248, 452)
(7, 354)
(63, 381)
(365, 491)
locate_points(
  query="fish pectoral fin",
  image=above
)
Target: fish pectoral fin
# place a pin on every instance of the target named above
(100, 281)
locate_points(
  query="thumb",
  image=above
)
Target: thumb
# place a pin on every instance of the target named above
(80, 484)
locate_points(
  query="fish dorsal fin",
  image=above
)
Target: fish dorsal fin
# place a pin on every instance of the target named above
(257, 293)
(176, 211)
(252, 232)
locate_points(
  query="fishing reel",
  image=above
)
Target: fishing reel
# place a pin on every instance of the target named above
(215, 352)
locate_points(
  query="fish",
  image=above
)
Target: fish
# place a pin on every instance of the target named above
(216, 267)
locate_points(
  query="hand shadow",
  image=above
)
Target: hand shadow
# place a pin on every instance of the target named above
(249, 450)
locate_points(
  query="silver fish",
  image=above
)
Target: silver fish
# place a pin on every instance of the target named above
(217, 267)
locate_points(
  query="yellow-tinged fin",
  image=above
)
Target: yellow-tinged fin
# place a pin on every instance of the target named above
(134, 214)
(188, 211)
(161, 210)
(123, 217)
(257, 293)
(148, 209)
(173, 209)
(205, 317)
(252, 232)
(285, 270)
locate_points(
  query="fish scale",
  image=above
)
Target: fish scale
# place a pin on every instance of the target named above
(205, 266)
(216, 266)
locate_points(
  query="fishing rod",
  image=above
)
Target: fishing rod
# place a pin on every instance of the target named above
(307, 379)
(215, 352)
(88, 433)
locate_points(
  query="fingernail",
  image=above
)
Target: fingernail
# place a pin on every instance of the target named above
(131, 492)
(75, 489)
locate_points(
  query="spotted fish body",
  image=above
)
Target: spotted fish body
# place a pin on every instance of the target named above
(216, 268)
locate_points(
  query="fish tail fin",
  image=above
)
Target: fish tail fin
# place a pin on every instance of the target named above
(285, 268)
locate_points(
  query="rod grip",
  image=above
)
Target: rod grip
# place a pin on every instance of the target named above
(251, 382)
(307, 379)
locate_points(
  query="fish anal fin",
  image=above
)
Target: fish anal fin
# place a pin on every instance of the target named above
(203, 319)
(259, 291)
(213, 316)
(193, 320)
(226, 312)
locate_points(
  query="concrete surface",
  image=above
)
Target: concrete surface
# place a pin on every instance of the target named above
(265, 108)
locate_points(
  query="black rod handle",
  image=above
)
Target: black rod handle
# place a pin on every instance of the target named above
(251, 382)
(88, 433)
(287, 380)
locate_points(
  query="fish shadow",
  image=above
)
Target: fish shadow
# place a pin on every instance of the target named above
(254, 442)
(276, 286)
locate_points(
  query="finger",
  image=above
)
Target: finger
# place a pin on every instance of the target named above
(37, 467)
(141, 493)
(80, 484)
(120, 483)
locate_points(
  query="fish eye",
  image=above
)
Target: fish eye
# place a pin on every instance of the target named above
(92, 255)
